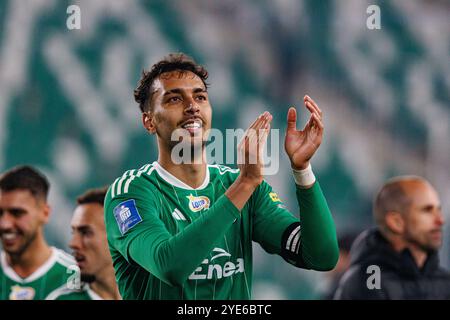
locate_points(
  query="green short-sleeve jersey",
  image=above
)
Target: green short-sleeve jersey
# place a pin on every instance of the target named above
(54, 273)
(170, 241)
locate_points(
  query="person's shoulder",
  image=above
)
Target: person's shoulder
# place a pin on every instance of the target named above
(63, 258)
(352, 284)
(131, 182)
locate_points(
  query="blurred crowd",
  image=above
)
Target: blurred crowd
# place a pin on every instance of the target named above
(66, 103)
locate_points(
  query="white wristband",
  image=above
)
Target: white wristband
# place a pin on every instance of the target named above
(305, 177)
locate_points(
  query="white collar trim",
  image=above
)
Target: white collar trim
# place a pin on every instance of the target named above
(43, 269)
(168, 177)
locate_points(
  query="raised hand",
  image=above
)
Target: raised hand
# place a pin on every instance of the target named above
(250, 149)
(300, 145)
(250, 161)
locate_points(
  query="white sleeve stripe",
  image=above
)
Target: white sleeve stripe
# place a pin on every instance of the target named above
(176, 216)
(294, 243)
(126, 179)
(132, 176)
(142, 170)
(119, 184)
(293, 233)
(182, 217)
(127, 184)
(298, 247)
(113, 187)
(151, 170)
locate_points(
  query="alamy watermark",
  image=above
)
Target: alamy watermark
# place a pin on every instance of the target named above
(374, 280)
(73, 21)
(374, 19)
(74, 280)
(223, 148)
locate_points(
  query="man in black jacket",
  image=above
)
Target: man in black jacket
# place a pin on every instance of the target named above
(398, 259)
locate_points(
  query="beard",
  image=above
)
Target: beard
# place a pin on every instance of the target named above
(424, 242)
(87, 278)
(190, 152)
(27, 241)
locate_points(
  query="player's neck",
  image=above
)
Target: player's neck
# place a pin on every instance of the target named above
(105, 285)
(26, 263)
(192, 174)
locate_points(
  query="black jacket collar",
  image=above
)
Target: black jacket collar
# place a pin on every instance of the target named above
(372, 248)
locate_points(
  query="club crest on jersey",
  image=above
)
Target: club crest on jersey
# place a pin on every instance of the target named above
(21, 293)
(198, 203)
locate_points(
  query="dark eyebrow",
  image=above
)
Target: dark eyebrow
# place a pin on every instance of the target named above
(431, 206)
(172, 92)
(179, 91)
(14, 209)
(82, 228)
(197, 90)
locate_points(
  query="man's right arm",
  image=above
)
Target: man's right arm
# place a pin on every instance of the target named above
(142, 237)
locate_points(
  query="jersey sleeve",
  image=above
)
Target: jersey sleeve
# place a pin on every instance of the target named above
(270, 218)
(134, 229)
(309, 242)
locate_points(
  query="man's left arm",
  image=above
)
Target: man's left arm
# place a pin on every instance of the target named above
(309, 242)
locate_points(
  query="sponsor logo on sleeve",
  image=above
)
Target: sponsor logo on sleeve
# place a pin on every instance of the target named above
(127, 215)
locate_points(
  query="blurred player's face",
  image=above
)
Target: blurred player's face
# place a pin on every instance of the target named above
(423, 219)
(89, 244)
(21, 219)
(180, 101)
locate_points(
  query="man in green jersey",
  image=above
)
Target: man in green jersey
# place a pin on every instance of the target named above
(185, 230)
(90, 249)
(29, 267)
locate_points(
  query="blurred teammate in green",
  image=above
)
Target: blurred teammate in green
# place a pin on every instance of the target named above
(185, 230)
(29, 267)
(90, 249)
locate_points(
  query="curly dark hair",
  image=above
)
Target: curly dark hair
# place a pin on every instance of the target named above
(175, 61)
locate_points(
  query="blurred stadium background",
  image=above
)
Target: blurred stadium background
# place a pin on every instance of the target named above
(66, 102)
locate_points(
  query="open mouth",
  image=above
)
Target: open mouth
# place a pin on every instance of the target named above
(192, 125)
(79, 258)
(9, 237)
